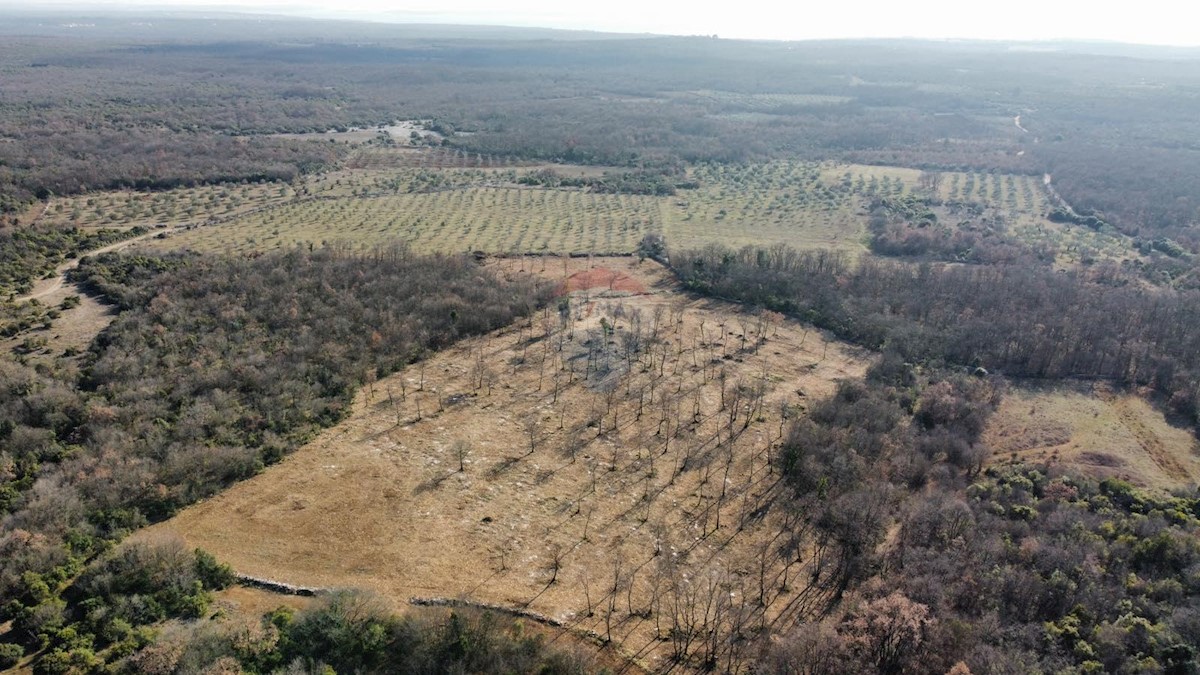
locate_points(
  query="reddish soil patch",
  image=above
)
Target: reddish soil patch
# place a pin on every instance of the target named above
(603, 277)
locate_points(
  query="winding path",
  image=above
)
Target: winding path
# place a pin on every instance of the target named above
(46, 287)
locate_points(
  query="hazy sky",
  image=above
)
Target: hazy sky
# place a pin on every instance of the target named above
(1172, 22)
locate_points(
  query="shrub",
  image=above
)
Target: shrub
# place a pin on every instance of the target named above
(10, 654)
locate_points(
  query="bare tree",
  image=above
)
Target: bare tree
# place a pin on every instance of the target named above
(613, 593)
(556, 563)
(532, 432)
(461, 448)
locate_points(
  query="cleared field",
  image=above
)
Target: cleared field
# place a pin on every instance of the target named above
(70, 333)
(254, 602)
(1096, 431)
(608, 488)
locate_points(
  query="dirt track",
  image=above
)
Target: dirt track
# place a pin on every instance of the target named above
(47, 287)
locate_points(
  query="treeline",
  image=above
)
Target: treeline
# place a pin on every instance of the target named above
(141, 608)
(110, 609)
(214, 368)
(660, 183)
(1019, 320)
(351, 632)
(1063, 215)
(45, 162)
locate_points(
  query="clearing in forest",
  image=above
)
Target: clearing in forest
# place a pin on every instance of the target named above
(616, 471)
(1096, 431)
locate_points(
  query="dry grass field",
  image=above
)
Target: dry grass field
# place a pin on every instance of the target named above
(70, 333)
(1094, 430)
(627, 492)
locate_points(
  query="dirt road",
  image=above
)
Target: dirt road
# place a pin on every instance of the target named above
(47, 287)
(1048, 182)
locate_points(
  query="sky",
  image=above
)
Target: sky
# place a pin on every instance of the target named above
(1161, 22)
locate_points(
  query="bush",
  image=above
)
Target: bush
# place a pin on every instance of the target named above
(213, 574)
(10, 654)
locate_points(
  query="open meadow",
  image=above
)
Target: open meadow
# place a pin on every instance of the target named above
(1094, 430)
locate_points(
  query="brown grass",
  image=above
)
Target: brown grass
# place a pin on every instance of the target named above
(1095, 430)
(378, 502)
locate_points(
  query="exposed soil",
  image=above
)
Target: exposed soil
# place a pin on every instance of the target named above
(604, 278)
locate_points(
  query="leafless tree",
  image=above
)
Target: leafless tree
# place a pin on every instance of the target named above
(532, 432)
(461, 448)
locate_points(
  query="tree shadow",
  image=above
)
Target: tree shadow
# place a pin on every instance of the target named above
(432, 484)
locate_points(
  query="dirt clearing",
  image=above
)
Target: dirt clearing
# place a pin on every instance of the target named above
(605, 279)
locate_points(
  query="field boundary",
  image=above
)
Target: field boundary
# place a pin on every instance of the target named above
(280, 587)
(520, 613)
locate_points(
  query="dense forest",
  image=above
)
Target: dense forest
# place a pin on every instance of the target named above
(215, 368)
